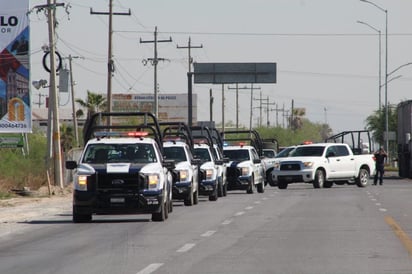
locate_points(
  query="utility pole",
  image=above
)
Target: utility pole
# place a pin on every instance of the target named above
(76, 132)
(211, 105)
(189, 47)
(55, 152)
(237, 88)
(39, 103)
(268, 110)
(251, 104)
(155, 61)
(110, 62)
(260, 107)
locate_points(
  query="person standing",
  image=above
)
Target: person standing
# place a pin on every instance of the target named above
(380, 156)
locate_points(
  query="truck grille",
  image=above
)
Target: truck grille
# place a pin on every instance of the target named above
(287, 166)
(232, 173)
(118, 182)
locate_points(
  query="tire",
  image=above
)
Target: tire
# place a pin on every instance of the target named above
(167, 209)
(260, 188)
(328, 184)
(160, 216)
(225, 190)
(189, 199)
(319, 179)
(213, 196)
(251, 186)
(363, 178)
(282, 184)
(81, 218)
(220, 188)
(196, 197)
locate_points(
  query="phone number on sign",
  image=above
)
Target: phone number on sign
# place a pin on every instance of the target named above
(13, 126)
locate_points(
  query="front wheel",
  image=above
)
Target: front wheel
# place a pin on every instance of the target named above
(319, 179)
(363, 178)
(282, 184)
(81, 218)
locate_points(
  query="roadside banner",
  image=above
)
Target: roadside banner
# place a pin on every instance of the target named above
(15, 99)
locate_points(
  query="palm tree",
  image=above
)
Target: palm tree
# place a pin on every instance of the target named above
(94, 103)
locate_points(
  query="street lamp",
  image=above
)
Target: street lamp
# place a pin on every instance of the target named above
(386, 72)
(380, 63)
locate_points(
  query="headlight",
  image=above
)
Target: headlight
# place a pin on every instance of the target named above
(153, 181)
(209, 174)
(276, 165)
(81, 183)
(308, 164)
(244, 171)
(184, 175)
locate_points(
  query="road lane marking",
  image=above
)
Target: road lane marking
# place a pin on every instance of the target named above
(150, 268)
(226, 222)
(257, 202)
(208, 233)
(378, 204)
(264, 198)
(185, 248)
(383, 209)
(403, 237)
(249, 207)
(240, 213)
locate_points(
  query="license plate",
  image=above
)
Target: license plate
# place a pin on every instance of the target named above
(117, 200)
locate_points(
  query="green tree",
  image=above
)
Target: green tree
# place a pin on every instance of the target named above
(66, 137)
(375, 123)
(94, 103)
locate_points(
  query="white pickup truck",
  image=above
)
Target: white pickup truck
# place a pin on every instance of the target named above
(322, 165)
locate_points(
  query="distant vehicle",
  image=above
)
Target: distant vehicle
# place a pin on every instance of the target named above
(211, 181)
(122, 169)
(178, 146)
(323, 164)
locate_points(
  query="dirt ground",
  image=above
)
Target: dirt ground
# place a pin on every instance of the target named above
(17, 213)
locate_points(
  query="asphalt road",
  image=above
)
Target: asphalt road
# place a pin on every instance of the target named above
(344, 229)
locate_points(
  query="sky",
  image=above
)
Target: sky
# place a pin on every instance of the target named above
(327, 62)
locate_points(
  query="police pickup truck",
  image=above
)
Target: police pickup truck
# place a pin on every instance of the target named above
(245, 170)
(211, 182)
(121, 169)
(178, 146)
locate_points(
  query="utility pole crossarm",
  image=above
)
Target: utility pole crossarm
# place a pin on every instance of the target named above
(155, 61)
(189, 47)
(110, 66)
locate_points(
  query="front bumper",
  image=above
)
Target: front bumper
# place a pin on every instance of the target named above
(239, 183)
(207, 187)
(87, 202)
(305, 176)
(181, 190)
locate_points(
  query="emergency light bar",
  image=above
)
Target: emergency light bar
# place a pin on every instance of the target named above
(121, 134)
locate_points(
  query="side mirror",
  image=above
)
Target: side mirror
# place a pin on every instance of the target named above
(257, 161)
(219, 162)
(196, 161)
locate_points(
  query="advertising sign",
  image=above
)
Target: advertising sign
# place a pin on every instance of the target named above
(172, 107)
(15, 106)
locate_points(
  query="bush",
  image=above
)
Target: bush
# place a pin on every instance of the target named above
(18, 170)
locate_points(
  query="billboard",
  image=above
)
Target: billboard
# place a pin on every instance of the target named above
(172, 107)
(15, 106)
(230, 73)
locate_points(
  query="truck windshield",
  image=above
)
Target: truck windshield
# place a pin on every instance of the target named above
(316, 151)
(119, 153)
(202, 154)
(237, 155)
(175, 153)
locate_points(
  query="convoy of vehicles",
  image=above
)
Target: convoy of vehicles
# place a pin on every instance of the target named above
(133, 167)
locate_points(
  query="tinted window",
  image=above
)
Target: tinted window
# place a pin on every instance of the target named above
(316, 151)
(237, 155)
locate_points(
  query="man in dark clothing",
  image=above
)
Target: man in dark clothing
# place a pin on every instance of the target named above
(380, 156)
